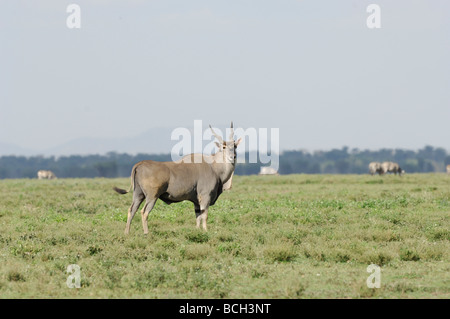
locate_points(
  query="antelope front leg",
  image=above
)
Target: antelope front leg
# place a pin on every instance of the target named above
(201, 217)
(204, 216)
(198, 215)
(201, 210)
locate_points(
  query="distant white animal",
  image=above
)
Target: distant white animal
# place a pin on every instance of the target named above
(266, 170)
(42, 174)
(391, 167)
(448, 169)
(375, 168)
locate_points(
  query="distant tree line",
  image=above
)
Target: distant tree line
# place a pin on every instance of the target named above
(336, 161)
(355, 161)
(109, 165)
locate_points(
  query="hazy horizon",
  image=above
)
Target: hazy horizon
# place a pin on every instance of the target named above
(132, 146)
(312, 69)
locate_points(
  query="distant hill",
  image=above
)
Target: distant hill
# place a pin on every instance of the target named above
(154, 141)
(7, 149)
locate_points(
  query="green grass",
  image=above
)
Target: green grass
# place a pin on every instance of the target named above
(295, 236)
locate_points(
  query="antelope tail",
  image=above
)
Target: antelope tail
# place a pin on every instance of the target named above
(122, 191)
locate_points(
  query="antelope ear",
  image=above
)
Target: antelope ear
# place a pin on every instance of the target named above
(217, 144)
(237, 142)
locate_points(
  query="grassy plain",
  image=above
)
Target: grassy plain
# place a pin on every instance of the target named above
(294, 236)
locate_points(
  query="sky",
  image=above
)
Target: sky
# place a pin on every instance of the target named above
(312, 69)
